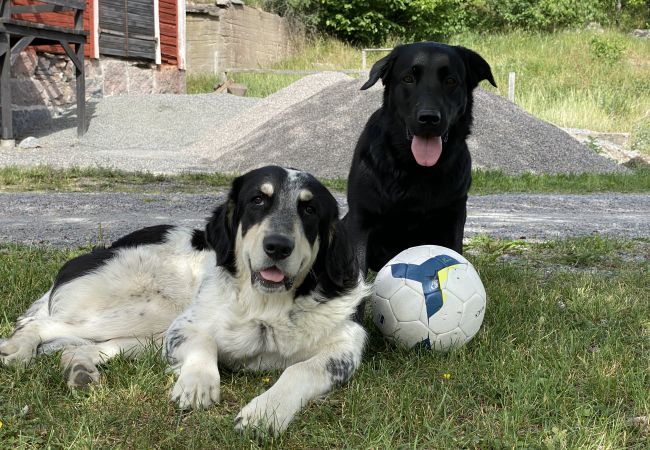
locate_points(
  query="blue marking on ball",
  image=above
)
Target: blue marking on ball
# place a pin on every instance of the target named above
(427, 275)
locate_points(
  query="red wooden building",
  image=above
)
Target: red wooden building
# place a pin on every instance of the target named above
(152, 30)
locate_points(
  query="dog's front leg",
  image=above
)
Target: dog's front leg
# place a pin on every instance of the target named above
(332, 365)
(192, 352)
(359, 238)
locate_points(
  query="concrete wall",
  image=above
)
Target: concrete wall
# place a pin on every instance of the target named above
(234, 36)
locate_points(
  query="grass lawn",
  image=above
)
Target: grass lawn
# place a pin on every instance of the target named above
(598, 81)
(45, 178)
(562, 361)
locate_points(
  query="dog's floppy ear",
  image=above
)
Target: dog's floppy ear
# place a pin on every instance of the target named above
(221, 228)
(477, 68)
(341, 265)
(380, 69)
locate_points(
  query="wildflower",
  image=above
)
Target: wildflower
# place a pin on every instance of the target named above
(266, 380)
(446, 376)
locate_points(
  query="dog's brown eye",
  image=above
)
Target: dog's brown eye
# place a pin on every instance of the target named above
(309, 210)
(451, 82)
(258, 200)
(408, 79)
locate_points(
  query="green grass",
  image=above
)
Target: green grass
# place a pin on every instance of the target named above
(562, 361)
(565, 78)
(46, 178)
(495, 182)
(317, 54)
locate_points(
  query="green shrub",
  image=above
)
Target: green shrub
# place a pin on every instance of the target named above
(606, 50)
(369, 22)
(543, 15)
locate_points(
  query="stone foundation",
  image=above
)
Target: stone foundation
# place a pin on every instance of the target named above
(48, 80)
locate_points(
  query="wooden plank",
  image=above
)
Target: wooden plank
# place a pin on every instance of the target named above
(37, 9)
(181, 48)
(116, 45)
(156, 22)
(5, 92)
(167, 29)
(26, 26)
(20, 46)
(71, 54)
(76, 4)
(131, 35)
(170, 30)
(81, 91)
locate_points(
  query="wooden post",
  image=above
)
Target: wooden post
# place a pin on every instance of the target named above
(363, 59)
(511, 87)
(80, 73)
(7, 138)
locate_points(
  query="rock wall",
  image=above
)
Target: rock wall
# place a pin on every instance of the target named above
(48, 80)
(220, 37)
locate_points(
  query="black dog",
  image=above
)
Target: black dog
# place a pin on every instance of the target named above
(411, 168)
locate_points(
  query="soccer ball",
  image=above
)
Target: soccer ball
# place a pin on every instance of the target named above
(431, 296)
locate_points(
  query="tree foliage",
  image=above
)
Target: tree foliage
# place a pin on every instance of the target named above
(373, 21)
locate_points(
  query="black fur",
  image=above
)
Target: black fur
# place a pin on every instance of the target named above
(149, 235)
(173, 340)
(394, 202)
(340, 369)
(199, 241)
(82, 265)
(89, 262)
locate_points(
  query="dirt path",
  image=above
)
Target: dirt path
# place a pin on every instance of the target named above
(73, 219)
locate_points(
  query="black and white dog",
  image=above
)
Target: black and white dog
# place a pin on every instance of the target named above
(271, 283)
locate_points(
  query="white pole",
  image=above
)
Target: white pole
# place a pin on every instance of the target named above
(363, 59)
(511, 87)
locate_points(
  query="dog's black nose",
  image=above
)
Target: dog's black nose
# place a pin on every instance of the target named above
(278, 246)
(429, 117)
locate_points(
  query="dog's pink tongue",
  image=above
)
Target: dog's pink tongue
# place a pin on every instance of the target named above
(272, 274)
(426, 151)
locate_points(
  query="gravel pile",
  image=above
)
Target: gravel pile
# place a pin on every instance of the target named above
(147, 133)
(264, 115)
(312, 124)
(164, 122)
(506, 137)
(319, 135)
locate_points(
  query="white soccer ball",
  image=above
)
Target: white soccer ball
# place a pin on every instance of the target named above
(431, 296)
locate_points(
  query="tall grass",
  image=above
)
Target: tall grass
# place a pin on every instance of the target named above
(568, 79)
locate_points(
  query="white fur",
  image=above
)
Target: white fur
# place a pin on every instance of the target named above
(301, 335)
(225, 320)
(135, 295)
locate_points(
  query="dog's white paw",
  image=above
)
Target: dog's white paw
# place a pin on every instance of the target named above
(265, 414)
(14, 352)
(80, 374)
(198, 388)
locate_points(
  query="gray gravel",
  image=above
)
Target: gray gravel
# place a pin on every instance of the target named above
(264, 115)
(147, 133)
(319, 135)
(312, 124)
(73, 219)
